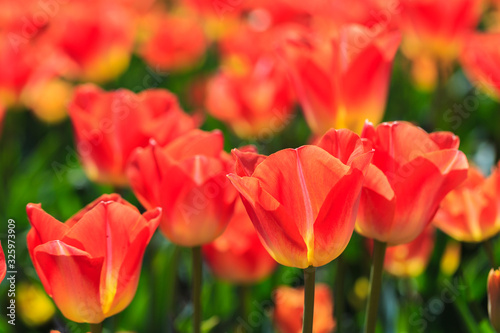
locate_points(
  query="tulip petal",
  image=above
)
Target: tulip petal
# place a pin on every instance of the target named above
(72, 276)
(196, 142)
(3, 266)
(246, 161)
(445, 140)
(341, 144)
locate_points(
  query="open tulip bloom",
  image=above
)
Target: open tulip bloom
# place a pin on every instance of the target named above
(303, 201)
(90, 265)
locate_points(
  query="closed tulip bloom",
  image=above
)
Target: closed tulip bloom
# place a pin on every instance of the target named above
(108, 126)
(339, 81)
(469, 213)
(480, 58)
(494, 298)
(237, 255)
(289, 304)
(410, 259)
(303, 201)
(187, 178)
(438, 27)
(90, 265)
(411, 172)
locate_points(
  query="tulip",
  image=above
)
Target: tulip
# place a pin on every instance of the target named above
(237, 255)
(341, 79)
(494, 298)
(411, 173)
(290, 197)
(110, 125)
(410, 259)
(287, 313)
(480, 58)
(35, 307)
(2, 115)
(3, 265)
(165, 47)
(90, 265)
(437, 28)
(469, 213)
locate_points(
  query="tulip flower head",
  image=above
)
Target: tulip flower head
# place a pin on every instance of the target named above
(110, 125)
(187, 178)
(494, 298)
(90, 265)
(237, 255)
(303, 201)
(3, 265)
(411, 172)
(289, 304)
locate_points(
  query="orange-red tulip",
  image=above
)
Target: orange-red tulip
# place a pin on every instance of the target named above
(438, 27)
(173, 41)
(341, 80)
(293, 197)
(110, 125)
(494, 298)
(410, 259)
(237, 255)
(90, 265)
(3, 265)
(469, 213)
(411, 172)
(251, 92)
(187, 178)
(480, 58)
(289, 306)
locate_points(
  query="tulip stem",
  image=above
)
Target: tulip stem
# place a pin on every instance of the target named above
(375, 285)
(96, 328)
(488, 248)
(197, 267)
(309, 277)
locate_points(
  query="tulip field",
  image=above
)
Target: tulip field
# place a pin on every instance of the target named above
(249, 166)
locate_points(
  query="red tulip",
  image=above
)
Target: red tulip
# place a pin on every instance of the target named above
(90, 265)
(469, 213)
(3, 266)
(291, 197)
(410, 174)
(494, 298)
(251, 92)
(480, 58)
(289, 305)
(110, 125)
(410, 259)
(173, 41)
(187, 178)
(438, 27)
(237, 255)
(2, 115)
(341, 79)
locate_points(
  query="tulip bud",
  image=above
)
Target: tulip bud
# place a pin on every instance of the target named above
(494, 298)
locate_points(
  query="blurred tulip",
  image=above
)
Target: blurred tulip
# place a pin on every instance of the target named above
(494, 298)
(437, 27)
(110, 125)
(90, 265)
(290, 197)
(187, 178)
(410, 259)
(3, 265)
(237, 255)
(469, 213)
(450, 260)
(174, 41)
(251, 92)
(341, 80)
(411, 172)
(35, 308)
(2, 115)
(289, 304)
(480, 59)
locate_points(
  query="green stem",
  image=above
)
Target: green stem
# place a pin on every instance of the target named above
(244, 292)
(197, 267)
(96, 328)
(466, 315)
(488, 248)
(309, 276)
(375, 285)
(339, 291)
